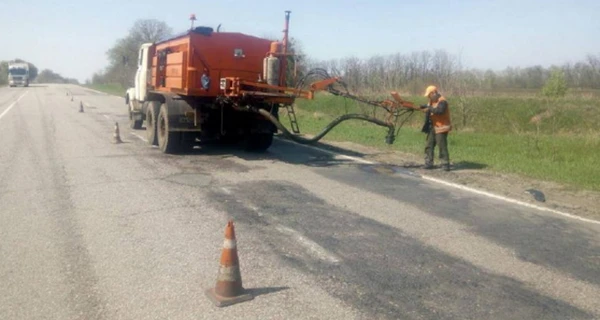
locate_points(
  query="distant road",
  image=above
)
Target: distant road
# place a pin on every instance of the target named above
(95, 230)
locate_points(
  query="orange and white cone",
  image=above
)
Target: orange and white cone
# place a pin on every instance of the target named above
(116, 135)
(229, 289)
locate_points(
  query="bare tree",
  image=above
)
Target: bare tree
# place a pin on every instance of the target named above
(123, 55)
(149, 30)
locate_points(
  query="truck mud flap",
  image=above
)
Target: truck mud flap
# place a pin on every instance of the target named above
(181, 116)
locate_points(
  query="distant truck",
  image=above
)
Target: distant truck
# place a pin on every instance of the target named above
(18, 74)
(207, 85)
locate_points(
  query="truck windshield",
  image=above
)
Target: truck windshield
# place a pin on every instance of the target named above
(17, 71)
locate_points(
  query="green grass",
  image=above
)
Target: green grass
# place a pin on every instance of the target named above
(115, 89)
(497, 135)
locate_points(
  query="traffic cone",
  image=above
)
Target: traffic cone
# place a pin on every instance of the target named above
(229, 289)
(80, 106)
(117, 136)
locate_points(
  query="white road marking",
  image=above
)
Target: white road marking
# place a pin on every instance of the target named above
(106, 116)
(498, 197)
(12, 105)
(314, 248)
(458, 186)
(255, 209)
(355, 159)
(139, 137)
(343, 156)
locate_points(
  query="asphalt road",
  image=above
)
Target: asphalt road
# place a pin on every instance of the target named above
(90, 229)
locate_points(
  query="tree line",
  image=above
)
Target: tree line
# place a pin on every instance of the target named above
(49, 76)
(401, 71)
(412, 71)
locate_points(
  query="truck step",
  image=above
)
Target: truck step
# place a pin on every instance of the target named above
(293, 121)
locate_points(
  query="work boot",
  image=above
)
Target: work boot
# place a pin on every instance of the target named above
(428, 166)
(446, 167)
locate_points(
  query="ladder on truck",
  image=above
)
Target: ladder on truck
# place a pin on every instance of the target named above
(292, 115)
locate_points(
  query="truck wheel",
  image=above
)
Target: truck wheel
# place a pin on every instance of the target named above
(259, 142)
(230, 139)
(171, 142)
(151, 116)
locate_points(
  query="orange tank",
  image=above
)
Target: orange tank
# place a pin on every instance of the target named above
(193, 63)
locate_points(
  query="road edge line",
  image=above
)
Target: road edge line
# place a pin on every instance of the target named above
(101, 92)
(507, 199)
(138, 136)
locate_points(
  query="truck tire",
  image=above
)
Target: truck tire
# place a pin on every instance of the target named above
(171, 142)
(230, 139)
(151, 116)
(259, 142)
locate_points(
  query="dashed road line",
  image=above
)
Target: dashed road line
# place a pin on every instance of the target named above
(139, 137)
(313, 248)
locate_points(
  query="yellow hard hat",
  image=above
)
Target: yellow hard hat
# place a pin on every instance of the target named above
(429, 90)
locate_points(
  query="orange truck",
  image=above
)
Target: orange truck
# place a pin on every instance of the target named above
(209, 85)
(203, 85)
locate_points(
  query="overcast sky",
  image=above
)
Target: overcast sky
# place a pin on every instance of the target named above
(72, 37)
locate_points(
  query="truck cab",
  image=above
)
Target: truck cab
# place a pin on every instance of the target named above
(135, 97)
(18, 74)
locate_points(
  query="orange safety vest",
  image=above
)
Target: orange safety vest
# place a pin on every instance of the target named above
(441, 122)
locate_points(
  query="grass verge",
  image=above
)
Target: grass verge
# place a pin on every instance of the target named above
(115, 89)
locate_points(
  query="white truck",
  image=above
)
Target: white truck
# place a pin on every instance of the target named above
(18, 74)
(136, 96)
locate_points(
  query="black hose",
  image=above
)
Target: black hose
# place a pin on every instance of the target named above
(345, 93)
(389, 139)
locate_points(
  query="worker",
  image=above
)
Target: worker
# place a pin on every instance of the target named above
(437, 126)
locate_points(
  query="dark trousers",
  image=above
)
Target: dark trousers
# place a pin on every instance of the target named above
(441, 140)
